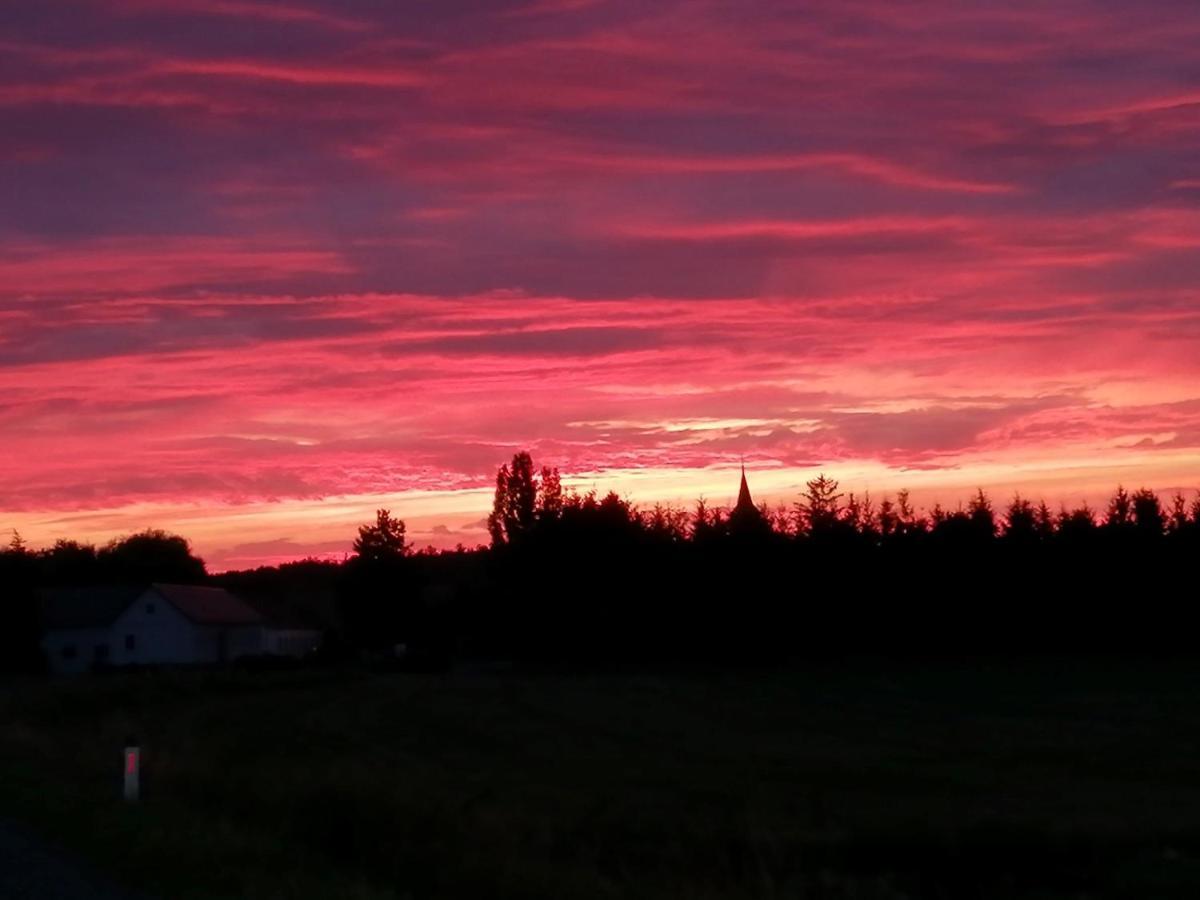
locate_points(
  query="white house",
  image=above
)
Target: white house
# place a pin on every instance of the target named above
(164, 624)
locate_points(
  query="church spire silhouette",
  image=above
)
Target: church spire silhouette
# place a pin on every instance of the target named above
(745, 518)
(744, 502)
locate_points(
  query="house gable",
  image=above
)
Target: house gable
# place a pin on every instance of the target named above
(152, 632)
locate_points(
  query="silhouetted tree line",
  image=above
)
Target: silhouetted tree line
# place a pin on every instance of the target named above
(145, 557)
(578, 577)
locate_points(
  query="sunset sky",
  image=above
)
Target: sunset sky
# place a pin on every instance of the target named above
(265, 267)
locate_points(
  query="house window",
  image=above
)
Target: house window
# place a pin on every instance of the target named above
(100, 653)
(68, 651)
(130, 642)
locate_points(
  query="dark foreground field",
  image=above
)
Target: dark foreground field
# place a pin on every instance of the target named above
(947, 781)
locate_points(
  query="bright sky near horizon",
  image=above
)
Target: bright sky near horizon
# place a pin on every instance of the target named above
(265, 267)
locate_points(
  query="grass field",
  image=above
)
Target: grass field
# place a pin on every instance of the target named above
(946, 781)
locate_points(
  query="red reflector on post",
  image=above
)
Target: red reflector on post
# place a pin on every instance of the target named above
(132, 766)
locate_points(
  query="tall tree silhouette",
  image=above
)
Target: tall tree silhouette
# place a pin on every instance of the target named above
(982, 515)
(379, 593)
(514, 508)
(1020, 521)
(817, 510)
(1044, 522)
(1148, 513)
(887, 522)
(866, 518)
(549, 496)
(383, 541)
(1077, 527)
(1178, 516)
(852, 513)
(666, 524)
(1120, 509)
(907, 521)
(495, 519)
(707, 522)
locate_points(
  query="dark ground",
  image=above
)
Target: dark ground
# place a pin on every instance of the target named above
(867, 780)
(30, 870)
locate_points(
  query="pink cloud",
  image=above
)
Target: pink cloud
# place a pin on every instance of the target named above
(136, 265)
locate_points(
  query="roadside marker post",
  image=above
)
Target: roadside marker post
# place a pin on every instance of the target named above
(133, 765)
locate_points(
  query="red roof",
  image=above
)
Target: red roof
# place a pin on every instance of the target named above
(207, 605)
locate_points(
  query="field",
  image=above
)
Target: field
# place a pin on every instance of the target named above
(941, 781)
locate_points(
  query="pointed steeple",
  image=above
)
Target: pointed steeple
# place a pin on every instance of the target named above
(744, 502)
